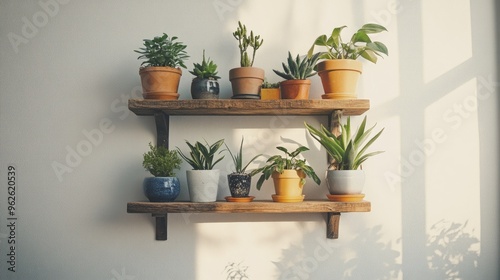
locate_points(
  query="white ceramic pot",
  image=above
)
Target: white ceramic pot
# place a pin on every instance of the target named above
(203, 185)
(345, 181)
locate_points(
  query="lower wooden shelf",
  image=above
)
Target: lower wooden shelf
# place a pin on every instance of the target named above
(160, 210)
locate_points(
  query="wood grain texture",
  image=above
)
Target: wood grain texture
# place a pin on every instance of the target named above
(147, 107)
(308, 206)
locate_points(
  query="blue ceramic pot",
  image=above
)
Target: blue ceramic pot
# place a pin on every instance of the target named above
(161, 189)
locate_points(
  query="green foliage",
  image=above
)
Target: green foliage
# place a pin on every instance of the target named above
(359, 45)
(161, 162)
(201, 157)
(289, 162)
(238, 159)
(298, 69)
(163, 51)
(207, 69)
(267, 84)
(245, 41)
(348, 152)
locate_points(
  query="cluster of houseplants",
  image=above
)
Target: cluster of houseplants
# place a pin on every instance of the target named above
(337, 65)
(347, 149)
(345, 178)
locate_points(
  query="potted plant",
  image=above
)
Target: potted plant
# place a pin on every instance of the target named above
(239, 181)
(340, 69)
(203, 180)
(161, 162)
(246, 80)
(160, 71)
(270, 91)
(345, 177)
(205, 85)
(288, 174)
(296, 84)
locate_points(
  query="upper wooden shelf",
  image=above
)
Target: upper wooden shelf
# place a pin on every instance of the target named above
(349, 107)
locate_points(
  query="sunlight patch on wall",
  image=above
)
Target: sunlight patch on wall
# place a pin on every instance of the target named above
(452, 183)
(446, 43)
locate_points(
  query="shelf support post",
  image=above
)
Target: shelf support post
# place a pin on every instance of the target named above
(161, 226)
(162, 129)
(335, 127)
(332, 225)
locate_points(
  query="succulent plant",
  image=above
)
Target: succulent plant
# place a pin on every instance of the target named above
(206, 70)
(245, 41)
(163, 51)
(298, 69)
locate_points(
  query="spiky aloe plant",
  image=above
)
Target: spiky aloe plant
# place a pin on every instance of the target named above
(298, 68)
(206, 70)
(348, 152)
(245, 41)
(238, 159)
(201, 157)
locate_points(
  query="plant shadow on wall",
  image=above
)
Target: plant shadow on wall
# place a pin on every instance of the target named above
(365, 256)
(453, 252)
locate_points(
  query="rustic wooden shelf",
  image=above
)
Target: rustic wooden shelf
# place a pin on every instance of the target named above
(143, 107)
(163, 109)
(160, 210)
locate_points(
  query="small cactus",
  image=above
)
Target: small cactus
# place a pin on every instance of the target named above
(245, 41)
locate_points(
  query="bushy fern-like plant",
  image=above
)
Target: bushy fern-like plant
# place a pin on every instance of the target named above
(161, 162)
(163, 51)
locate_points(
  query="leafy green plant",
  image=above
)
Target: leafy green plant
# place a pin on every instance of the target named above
(245, 41)
(267, 84)
(161, 162)
(348, 152)
(163, 51)
(206, 70)
(201, 157)
(360, 44)
(238, 159)
(277, 163)
(298, 69)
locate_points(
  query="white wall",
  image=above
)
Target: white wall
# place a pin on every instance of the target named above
(67, 69)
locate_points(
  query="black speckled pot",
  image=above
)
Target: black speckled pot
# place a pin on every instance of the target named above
(239, 184)
(204, 89)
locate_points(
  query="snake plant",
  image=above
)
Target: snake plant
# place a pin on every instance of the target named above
(348, 152)
(201, 157)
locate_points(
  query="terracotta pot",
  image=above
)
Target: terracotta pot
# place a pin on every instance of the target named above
(288, 186)
(270, 94)
(246, 82)
(160, 82)
(295, 89)
(340, 78)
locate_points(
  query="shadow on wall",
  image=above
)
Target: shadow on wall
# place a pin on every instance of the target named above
(453, 253)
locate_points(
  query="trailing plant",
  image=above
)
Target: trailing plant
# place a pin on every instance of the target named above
(238, 159)
(206, 70)
(277, 163)
(267, 84)
(245, 41)
(360, 44)
(298, 69)
(163, 51)
(201, 157)
(347, 150)
(161, 162)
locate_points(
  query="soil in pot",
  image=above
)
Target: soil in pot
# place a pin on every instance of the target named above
(340, 78)
(246, 82)
(295, 89)
(204, 89)
(160, 82)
